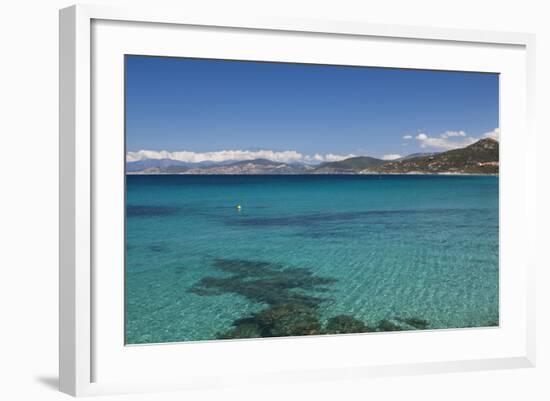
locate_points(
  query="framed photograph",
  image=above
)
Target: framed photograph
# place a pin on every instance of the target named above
(273, 200)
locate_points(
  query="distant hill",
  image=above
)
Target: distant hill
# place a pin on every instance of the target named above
(164, 164)
(413, 155)
(351, 165)
(141, 165)
(481, 157)
(256, 166)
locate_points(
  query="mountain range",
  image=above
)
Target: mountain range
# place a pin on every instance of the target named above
(482, 157)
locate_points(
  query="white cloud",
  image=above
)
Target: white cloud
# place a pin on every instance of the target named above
(408, 137)
(391, 156)
(451, 139)
(444, 143)
(315, 158)
(494, 134)
(450, 134)
(422, 137)
(334, 158)
(288, 156)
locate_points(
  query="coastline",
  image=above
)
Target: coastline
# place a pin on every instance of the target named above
(446, 174)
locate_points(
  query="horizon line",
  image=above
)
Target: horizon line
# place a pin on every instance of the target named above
(286, 156)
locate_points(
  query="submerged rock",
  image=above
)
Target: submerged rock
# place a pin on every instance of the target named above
(344, 324)
(387, 325)
(243, 330)
(290, 320)
(278, 321)
(415, 322)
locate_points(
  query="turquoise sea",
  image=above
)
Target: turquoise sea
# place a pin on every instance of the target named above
(412, 252)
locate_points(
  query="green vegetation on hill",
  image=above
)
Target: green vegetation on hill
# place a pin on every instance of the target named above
(353, 164)
(481, 157)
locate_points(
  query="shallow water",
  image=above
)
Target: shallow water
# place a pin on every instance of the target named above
(371, 247)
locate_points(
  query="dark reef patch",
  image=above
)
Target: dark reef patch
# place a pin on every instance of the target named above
(307, 220)
(263, 282)
(150, 211)
(344, 324)
(292, 296)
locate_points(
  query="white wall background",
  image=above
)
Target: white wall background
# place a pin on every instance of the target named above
(29, 185)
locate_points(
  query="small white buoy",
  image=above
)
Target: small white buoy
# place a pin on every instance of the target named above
(238, 207)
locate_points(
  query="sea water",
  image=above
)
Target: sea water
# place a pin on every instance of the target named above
(406, 246)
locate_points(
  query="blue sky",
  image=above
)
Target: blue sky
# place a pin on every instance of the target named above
(198, 106)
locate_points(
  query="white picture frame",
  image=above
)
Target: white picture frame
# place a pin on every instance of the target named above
(86, 332)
